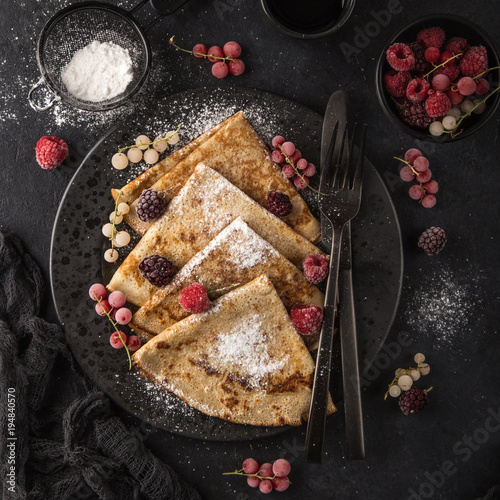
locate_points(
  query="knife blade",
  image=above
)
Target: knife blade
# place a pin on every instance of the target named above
(349, 352)
(336, 111)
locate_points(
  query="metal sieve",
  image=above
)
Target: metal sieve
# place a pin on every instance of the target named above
(78, 25)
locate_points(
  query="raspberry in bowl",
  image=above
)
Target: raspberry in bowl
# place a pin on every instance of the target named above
(437, 78)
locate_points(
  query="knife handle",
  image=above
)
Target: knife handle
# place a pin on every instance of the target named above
(350, 368)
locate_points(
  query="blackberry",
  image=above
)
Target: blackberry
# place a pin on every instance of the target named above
(279, 203)
(157, 270)
(413, 401)
(432, 240)
(150, 205)
(421, 63)
(414, 114)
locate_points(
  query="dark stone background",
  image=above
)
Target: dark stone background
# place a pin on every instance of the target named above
(449, 303)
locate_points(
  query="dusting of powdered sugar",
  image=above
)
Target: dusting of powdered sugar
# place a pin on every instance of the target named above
(245, 248)
(245, 346)
(443, 306)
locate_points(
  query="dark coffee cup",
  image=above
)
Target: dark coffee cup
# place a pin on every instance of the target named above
(307, 18)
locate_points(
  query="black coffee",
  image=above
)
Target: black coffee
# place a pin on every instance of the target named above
(306, 15)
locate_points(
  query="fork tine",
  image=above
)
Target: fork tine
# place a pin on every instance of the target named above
(345, 180)
(340, 164)
(358, 173)
(326, 166)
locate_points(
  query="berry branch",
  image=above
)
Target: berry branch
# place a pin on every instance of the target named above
(292, 164)
(113, 222)
(153, 143)
(116, 328)
(200, 54)
(441, 65)
(471, 111)
(241, 472)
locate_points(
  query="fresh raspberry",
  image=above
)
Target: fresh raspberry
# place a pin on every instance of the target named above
(417, 89)
(395, 82)
(431, 37)
(51, 152)
(150, 206)
(400, 57)
(432, 240)
(421, 64)
(156, 269)
(306, 319)
(279, 204)
(437, 104)
(414, 114)
(413, 401)
(474, 62)
(315, 268)
(457, 45)
(194, 299)
(452, 71)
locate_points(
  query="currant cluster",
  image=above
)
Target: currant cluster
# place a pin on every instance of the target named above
(417, 168)
(294, 167)
(411, 399)
(113, 308)
(225, 60)
(267, 477)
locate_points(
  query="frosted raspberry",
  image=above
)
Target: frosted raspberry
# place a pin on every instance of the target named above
(194, 299)
(452, 71)
(51, 152)
(437, 104)
(279, 204)
(315, 268)
(474, 62)
(457, 45)
(431, 37)
(417, 89)
(395, 83)
(400, 57)
(306, 319)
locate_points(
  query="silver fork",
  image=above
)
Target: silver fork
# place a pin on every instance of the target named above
(339, 200)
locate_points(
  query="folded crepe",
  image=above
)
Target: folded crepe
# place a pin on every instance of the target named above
(241, 360)
(237, 152)
(134, 188)
(237, 255)
(203, 208)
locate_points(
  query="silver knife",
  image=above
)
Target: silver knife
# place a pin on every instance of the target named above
(336, 111)
(349, 349)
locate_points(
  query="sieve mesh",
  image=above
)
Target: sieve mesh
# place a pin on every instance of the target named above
(78, 26)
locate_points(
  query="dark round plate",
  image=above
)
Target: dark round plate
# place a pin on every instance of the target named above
(78, 244)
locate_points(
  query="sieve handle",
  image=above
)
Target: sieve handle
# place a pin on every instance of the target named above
(32, 101)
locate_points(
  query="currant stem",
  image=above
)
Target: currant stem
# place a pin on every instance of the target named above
(113, 230)
(116, 329)
(241, 473)
(477, 105)
(485, 71)
(152, 143)
(223, 59)
(441, 65)
(290, 162)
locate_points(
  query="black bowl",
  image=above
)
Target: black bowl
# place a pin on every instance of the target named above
(453, 26)
(278, 14)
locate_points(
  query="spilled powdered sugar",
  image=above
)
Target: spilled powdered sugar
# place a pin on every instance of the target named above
(245, 346)
(442, 305)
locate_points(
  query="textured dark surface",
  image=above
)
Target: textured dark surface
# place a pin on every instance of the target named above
(449, 304)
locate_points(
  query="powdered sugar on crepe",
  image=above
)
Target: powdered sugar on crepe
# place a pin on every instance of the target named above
(245, 346)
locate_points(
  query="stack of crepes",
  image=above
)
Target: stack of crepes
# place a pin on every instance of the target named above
(241, 360)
